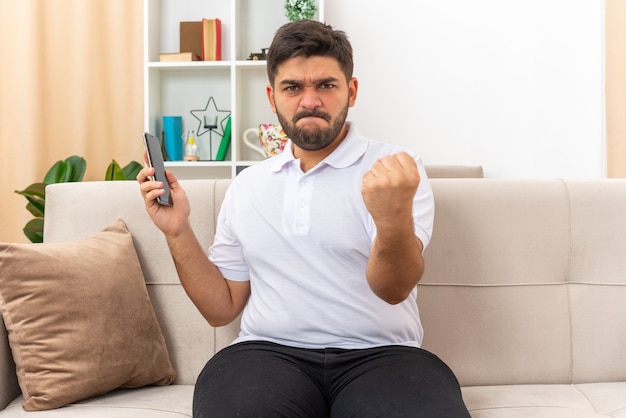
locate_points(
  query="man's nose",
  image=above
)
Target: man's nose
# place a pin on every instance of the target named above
(310, 98)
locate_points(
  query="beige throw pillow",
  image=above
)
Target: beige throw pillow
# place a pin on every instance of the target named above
(79, 319)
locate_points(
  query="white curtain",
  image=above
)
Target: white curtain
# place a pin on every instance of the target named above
(71, 83)
(615, 24)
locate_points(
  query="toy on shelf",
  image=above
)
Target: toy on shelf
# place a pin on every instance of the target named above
(191, 148)
(258, 56)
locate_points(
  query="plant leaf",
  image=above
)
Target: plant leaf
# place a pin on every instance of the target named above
(52, 175)
(36, 196)
(63, 171)
(77, 167)
(36, 208)
(34, 230)
(114, 172)
(131, 170)
(35, 189)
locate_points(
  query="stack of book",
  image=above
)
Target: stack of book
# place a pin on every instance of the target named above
(199, 41)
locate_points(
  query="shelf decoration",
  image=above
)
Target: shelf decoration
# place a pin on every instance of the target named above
(191, 149)
(224, 144)
(190, 38)
(300, 9)
(172, 133)
(211, 120)
(256, 56)
(212, 39)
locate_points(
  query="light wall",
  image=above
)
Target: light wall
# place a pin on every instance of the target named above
(516, 86)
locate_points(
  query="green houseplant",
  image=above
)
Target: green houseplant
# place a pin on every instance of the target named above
(72, 169)
(299, 9)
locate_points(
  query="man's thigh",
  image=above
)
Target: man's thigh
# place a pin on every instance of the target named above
(394, 382)
(260, 380)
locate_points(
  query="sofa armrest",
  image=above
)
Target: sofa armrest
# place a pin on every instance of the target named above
(9, 388)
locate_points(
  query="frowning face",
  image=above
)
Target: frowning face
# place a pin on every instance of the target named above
(311, 97)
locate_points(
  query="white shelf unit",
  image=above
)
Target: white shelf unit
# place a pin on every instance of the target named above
(235, 83)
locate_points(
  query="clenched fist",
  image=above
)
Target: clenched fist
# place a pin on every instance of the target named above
(388, 190)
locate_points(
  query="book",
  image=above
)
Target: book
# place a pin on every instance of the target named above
(224, 143)
(191, 38)
(178, 56)
(172, 138)
(211, 39)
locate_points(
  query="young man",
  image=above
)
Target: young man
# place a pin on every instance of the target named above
(321, 248)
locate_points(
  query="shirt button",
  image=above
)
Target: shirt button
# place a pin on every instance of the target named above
(301, 204)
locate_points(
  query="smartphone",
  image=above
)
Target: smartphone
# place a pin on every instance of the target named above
(155, 159)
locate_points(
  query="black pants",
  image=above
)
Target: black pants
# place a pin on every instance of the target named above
(260, 379)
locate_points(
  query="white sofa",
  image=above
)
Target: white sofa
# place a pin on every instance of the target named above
(523, 295)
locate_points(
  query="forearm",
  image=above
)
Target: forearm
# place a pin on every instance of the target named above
(203, 282)
(395, 265)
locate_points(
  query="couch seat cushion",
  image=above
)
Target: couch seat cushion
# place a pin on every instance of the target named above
(587, 400)
(150, 401)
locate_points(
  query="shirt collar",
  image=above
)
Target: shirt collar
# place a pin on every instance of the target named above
(347, 153)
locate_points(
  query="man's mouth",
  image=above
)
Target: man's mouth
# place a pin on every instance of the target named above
(311, 114)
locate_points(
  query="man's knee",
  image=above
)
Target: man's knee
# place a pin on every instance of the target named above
(399, 382)
(254, 380)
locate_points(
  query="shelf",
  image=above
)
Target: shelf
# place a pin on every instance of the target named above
(188, 65)
(184, 65)
(236, 84)
(190, 164)
(251, 63)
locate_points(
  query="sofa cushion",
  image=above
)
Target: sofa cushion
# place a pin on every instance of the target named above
(79, 318)
(174, 401)
(587, 400)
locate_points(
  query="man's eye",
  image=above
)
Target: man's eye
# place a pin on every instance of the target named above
(291, 89)
(326, 86)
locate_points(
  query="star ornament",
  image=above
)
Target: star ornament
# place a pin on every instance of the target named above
(211, 119)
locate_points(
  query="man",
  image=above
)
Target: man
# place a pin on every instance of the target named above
(321, 249)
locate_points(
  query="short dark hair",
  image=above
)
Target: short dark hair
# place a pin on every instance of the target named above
(308, 38)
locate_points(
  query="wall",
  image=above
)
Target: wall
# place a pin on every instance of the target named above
(516, 86)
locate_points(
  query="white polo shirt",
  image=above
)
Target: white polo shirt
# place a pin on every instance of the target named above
(303, 241)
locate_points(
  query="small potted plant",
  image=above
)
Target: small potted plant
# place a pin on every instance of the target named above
(299, 9)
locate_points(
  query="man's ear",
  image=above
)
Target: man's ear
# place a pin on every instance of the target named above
(270, 96)
(353, 88)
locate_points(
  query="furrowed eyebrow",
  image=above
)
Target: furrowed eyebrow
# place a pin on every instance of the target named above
(315, 82)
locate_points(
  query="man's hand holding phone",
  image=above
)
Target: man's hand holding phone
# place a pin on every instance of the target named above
(166, 202)
(155, 160)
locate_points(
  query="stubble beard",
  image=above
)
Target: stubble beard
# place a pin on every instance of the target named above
(313, 139)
